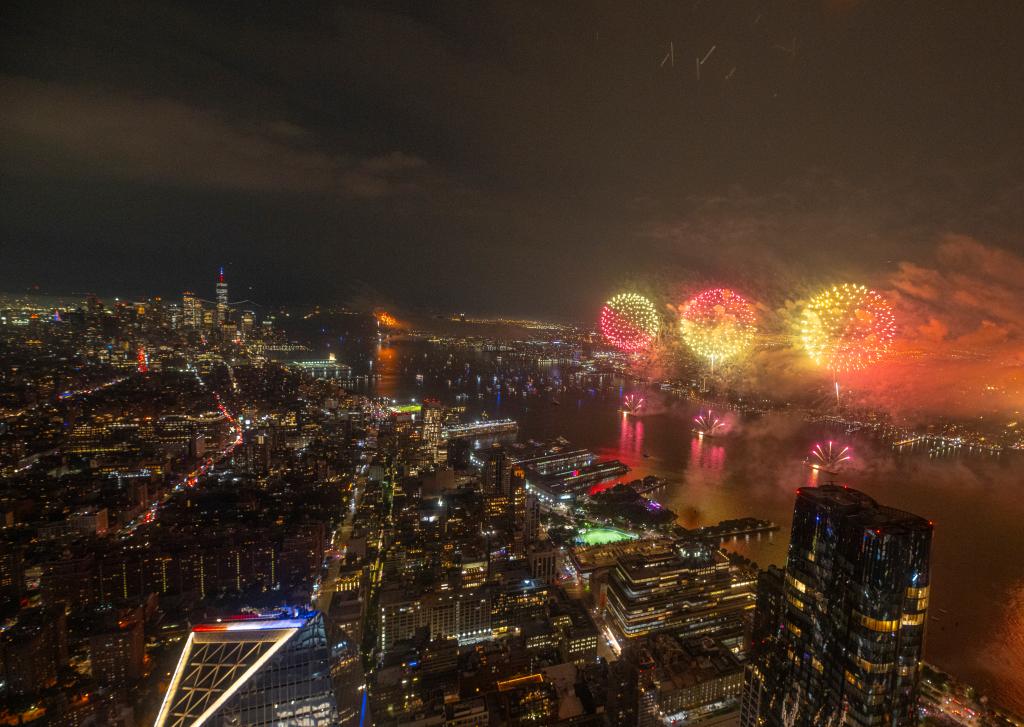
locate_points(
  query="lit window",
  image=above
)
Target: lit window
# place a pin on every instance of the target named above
(877, 624)
(912, 619)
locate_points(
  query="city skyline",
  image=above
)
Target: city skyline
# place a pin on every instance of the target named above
(873, 345)
(376, 364)
(824, 150)
(448, 499)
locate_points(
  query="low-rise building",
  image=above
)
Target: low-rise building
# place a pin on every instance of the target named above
(689, 586)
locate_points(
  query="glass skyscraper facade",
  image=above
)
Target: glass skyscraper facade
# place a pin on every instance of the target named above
(843, 644)
(268, 670)
(222, 298)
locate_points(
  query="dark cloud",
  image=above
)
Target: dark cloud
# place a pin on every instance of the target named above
(67, 130)
(503, 156)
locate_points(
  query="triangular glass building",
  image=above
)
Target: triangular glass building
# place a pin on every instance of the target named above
(253, 670)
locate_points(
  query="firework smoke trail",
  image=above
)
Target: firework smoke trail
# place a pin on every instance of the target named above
(629, 322)
(847, 328)
(718, 324)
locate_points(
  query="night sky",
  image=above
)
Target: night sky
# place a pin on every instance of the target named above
(519, 157)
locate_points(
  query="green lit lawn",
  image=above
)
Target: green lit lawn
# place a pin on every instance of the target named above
(603, 536)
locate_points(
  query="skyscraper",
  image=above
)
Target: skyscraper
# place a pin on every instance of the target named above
(248, 324)
(222, 298)
(496, 473)
(191, 311)
(265, 670)
(433, 415)
(117, 652)
(848, 641)
(519, 511)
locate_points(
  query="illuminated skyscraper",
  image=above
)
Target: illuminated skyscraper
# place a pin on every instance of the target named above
(191, 310)
(842, 642)
(222, 298)
(520, 513)
(432, 433)
(267, 670)
(248, 322)
(496, 473)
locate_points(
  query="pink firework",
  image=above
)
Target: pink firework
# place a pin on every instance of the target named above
(632, 404)
(629, 322)
(830, 457)
(708, 424)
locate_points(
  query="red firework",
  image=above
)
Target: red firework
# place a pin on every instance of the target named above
(629, 322)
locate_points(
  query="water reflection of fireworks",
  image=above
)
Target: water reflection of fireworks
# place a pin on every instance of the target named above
(631, 436)
(705, 455)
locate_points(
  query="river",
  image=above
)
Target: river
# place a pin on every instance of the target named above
(976, 624)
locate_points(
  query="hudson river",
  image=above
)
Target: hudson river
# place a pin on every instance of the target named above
(976, 616)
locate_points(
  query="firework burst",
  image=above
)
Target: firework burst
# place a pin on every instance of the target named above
(632, 404)
(847, 328)
(718, 324)
(830, 457)
(629, 322)
(385, 319)
(708, 425)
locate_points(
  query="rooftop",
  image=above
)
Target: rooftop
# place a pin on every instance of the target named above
(861, 506)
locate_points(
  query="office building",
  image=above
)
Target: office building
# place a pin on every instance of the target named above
(117, 653)
(264, 670)
(848, 645)
(496, 471)
(465, 615)
(90, 520)
(578, 632)
(191, 310)
(686, 586)
(530, 517)
(519, 512)
(248, 324)
(32, 651)
(542, 558)
(681, 681)
(12, 572)
(433, 435)
(400, 614)
(222, 299)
